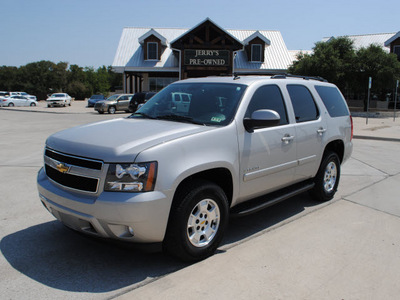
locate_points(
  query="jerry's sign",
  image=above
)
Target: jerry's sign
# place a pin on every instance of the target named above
(207, 58)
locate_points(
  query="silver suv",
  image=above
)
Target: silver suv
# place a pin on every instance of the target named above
(173, 174)
(114, 103)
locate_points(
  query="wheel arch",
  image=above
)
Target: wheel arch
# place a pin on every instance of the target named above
(336, 146)
(220, 176)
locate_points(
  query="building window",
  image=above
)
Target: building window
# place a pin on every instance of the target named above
(256, 52)
(156, 84)
(396, 50)
(152, 51)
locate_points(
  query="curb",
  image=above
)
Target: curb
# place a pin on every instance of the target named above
(376, 138)
(41, 111)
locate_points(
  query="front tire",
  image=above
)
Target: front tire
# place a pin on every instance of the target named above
(33, 104)
(327, 179)
(111, 110)
(197, 222)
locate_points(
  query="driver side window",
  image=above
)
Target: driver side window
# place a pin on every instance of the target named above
(268, 97)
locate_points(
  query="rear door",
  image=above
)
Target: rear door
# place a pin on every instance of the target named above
(310, 131)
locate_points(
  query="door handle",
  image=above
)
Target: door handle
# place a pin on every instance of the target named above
(321, 131)
(287, 138)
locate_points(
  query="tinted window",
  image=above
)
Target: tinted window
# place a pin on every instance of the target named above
(268, 97)
(303, 103)
(333, 101)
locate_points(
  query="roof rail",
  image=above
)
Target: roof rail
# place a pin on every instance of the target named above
(286, 75)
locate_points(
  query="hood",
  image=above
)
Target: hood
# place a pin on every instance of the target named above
(119, 140)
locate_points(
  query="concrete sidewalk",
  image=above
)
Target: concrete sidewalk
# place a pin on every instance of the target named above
(344, 251)
(382, 128)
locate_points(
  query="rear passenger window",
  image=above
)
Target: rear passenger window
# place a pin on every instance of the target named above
(268, 97)
(304, 106)
(333, 101)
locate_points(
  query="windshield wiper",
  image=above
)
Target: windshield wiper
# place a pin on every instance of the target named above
(179, 118)
(142, 115)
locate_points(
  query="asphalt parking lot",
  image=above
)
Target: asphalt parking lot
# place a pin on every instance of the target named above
(348, 248)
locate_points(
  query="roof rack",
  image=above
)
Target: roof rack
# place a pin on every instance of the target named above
(279, 76)
(286, 75)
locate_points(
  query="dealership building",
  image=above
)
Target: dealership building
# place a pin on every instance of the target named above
(152, 58)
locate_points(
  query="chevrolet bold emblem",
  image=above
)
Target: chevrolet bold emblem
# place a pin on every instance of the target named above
(62, 168)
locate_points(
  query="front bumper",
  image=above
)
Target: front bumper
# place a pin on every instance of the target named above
(134, 217)
(56, 102)
(100, 108)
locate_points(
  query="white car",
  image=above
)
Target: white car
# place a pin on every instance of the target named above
(28, 96)
(17, 100)
(59, 99)
(22, 94)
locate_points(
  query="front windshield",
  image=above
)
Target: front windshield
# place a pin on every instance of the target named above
(113, 97)
(199, 103)
(58, 95)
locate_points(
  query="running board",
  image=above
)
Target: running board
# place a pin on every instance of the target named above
(262, 202)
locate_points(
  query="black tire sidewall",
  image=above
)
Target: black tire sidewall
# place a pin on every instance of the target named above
(318, 192)
(177, 242)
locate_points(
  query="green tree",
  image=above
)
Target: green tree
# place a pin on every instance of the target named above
(78, 90)
(8, 77)
(332, 60)
(45, 77)
(103, 81)
(38, 78)
(339, 63)
(382, 67)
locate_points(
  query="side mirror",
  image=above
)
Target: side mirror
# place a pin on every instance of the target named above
(261, 119)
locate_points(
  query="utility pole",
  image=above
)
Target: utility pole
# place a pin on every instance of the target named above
(369, 93)
(395, 100)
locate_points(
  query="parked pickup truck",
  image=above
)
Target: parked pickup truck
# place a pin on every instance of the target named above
(172, 174)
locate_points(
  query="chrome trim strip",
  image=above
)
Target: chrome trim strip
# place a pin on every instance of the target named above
(76, 157)
(264, 172)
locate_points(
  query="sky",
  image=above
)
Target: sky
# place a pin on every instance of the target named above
(87, 32)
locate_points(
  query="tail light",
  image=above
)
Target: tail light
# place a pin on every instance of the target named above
(352, 129)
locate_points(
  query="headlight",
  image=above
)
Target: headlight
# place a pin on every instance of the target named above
(131, 177)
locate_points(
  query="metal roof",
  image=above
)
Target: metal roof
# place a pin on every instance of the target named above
(363, 41)
(129, 55)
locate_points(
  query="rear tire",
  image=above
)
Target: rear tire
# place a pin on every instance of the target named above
(327, 179)
(11, 104)
(198, 219)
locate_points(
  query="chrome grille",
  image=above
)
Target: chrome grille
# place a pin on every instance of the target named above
(73, 172)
